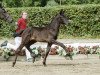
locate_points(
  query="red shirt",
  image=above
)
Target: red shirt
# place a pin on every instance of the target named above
(21, 24)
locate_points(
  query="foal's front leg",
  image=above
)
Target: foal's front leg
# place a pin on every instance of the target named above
(28, 47)
(63, 46)
(47, 52)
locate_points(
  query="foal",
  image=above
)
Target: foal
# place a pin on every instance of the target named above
(46, 34)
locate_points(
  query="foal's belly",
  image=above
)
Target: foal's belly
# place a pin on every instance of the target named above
(41, 36)
(41, 39)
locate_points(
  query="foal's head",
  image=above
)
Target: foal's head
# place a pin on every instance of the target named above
(62, 18)
(4, 15)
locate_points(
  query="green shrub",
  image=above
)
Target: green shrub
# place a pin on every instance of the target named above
(85, 20)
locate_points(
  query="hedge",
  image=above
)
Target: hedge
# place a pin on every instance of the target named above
(85, 20)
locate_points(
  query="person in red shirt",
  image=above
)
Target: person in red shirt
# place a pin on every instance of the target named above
(21, 25)
(22, 22)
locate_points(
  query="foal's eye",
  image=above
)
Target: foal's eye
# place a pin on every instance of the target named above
(4, 10)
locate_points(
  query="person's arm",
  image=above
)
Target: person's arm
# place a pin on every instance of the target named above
(19, 32)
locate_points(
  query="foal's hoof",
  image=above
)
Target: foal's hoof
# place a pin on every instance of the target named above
(44, 64)
(33, 60)
(69, 55)
(13, 64)
(71, 58)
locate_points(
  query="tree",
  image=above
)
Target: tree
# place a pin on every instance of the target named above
(60, 1)
(43, 3)
(52, 3)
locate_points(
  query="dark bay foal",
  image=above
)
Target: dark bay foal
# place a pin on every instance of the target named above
(46, 34)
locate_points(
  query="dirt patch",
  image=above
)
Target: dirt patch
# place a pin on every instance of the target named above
(56, 65)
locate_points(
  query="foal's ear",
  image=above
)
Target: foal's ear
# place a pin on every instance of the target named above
(61, 12)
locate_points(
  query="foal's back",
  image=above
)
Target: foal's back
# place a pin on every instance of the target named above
(42, 34)
(39, 34)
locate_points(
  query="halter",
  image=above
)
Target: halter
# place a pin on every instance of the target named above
(6, 17)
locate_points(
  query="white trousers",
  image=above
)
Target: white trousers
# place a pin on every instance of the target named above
(17, 44)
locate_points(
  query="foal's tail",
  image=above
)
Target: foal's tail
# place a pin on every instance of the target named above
(20, 32)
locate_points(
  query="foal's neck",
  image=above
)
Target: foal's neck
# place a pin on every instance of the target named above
(55, 24)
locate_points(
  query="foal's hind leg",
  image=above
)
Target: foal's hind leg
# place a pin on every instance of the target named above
(16, 54)
(25, 40)
(47, 52)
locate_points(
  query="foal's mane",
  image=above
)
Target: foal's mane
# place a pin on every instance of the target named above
(52, 19)
(47, 25)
